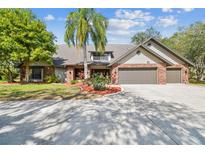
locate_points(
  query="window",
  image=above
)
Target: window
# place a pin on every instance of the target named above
(36, 74)
(103, 58)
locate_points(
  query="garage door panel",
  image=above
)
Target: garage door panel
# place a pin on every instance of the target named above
(173, 75)
(137, 76)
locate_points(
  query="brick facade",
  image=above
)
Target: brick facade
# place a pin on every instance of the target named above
(47, 70)
(161, 71)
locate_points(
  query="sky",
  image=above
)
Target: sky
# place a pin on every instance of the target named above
(124, 23)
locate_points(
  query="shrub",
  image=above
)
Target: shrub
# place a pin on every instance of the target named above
(9, 76)
(52, 79)
(88, 81)
(73, 81)
(99, 82)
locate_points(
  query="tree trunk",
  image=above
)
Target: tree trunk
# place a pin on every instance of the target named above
(27, 72)
(9, 75)
(200, 74)
(85, 62)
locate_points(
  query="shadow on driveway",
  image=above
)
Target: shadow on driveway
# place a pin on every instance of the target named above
(117, 119)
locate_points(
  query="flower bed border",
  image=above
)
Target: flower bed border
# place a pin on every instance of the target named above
(111, 89)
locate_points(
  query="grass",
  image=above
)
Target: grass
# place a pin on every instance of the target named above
(2, 81)
(195, 82)
(41, 92)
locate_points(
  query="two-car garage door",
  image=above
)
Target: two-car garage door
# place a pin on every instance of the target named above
(138, 76)
(146, 75)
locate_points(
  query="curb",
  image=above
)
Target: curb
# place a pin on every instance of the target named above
(120, 92)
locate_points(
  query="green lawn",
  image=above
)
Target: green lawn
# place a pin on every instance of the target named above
(40, 91)
(1, 81)
(195, 82)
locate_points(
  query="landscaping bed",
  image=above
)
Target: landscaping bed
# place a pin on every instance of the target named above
(98, 84)
(9, 83)
(109, 90)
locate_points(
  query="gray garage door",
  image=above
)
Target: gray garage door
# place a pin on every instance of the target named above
(173, 75)
(137, 76)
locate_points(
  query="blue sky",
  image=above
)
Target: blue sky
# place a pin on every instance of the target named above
(124, 23)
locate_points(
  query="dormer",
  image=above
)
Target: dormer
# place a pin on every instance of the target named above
(99, 57)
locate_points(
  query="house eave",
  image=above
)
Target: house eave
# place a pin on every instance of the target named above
(171, 51)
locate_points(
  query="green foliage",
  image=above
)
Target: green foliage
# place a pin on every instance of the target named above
(190, 42)
(140, 37)
(83, 25)
(88, 81)
(99, 82)
(24, 38)
(74, 81)
(52, 79)
(9, 74)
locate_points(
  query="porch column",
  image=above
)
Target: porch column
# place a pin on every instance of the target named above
(114, 74)
(70, 73)
(89, 72)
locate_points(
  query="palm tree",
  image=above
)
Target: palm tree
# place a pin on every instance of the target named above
(84, 25)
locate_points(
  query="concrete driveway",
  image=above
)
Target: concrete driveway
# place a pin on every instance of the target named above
(189, 95)
(134, 117)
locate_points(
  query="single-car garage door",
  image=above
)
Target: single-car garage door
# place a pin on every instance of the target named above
(138, 76)
(173, 75)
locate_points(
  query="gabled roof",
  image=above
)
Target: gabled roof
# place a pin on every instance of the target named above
(154, 53)
(66, 55)
(157, 55)
(169, 50)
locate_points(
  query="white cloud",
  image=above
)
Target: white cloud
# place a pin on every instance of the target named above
(179, 11)
(125, 33)
(167, 10)
(49, 17)
(123, 24)
(61, 19)
(167, 21)
(136, 14)
(187, 9)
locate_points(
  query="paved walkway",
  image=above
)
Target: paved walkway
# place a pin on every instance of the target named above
(119, 119)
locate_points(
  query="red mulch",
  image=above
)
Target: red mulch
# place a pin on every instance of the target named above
(77, 84)
(109, 90)
(8, 83)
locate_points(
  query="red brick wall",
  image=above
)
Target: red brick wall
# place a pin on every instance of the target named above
(47, 70)
(161, 71)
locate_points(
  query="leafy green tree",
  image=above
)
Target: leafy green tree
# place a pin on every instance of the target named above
(24, 39)
(142, 36)
(84, 25)
(190, 42)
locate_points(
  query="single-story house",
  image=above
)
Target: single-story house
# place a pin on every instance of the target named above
(148, 63)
